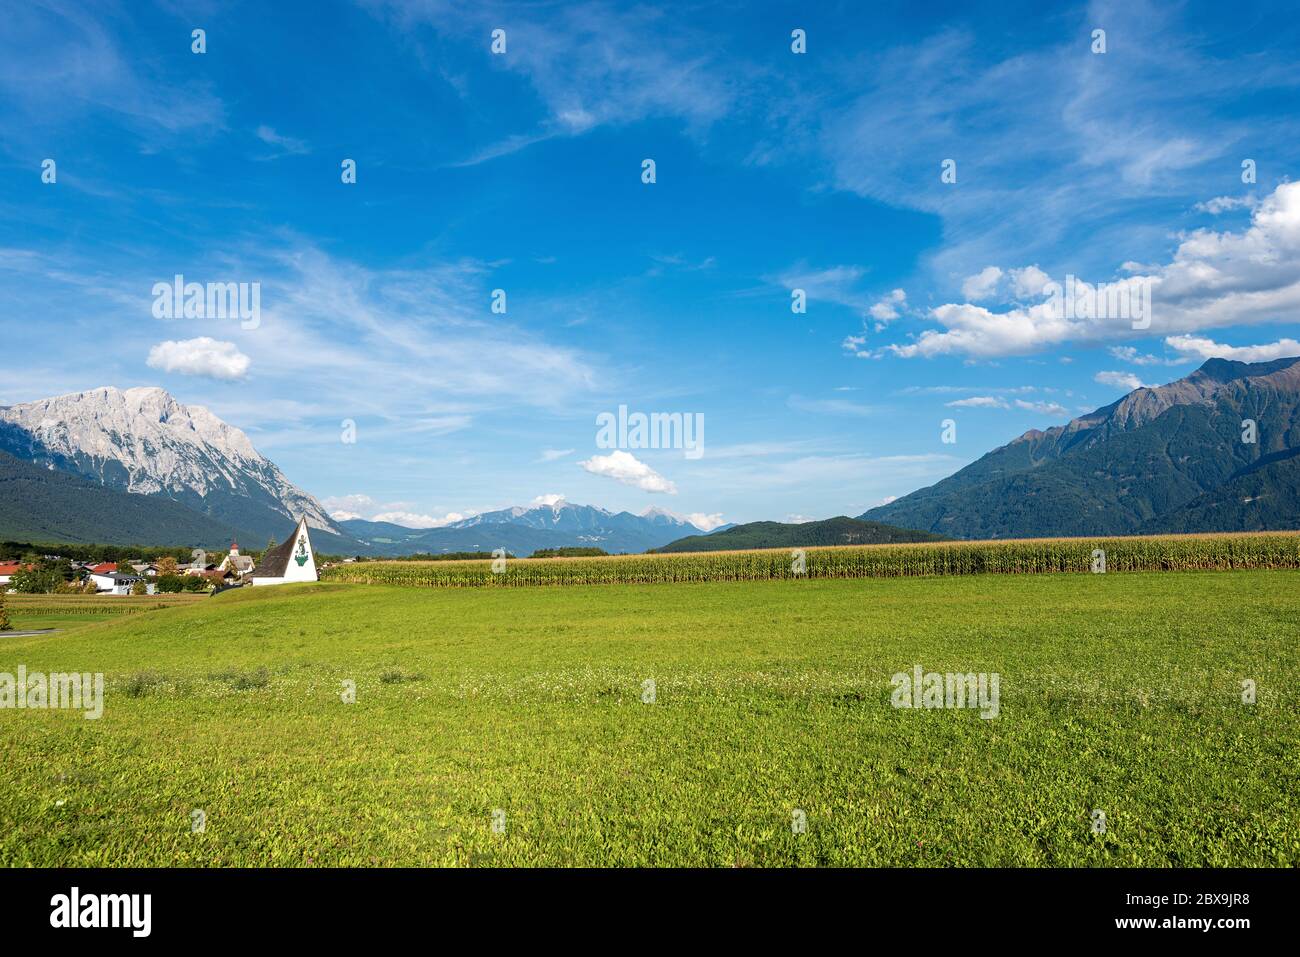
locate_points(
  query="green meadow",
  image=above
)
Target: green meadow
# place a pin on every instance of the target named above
(672, 724)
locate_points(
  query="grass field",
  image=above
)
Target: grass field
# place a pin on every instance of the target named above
(1118, 692)
(31, 612)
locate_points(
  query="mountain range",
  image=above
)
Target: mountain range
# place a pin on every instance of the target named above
(521, 531)
(143, 442)
(136, 467)
(1218, 450)
(1171, 458)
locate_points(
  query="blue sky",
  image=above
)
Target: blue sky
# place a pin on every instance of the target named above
(522, 171)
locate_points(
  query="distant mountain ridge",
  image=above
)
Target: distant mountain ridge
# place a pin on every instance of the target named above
(522, 530)
(841, 530)
(1164, 459)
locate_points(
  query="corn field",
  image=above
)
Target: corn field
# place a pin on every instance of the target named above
(1027, 556)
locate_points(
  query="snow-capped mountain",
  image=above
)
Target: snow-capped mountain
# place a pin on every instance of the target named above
(565, 516)
(146, 442)
(524, 529)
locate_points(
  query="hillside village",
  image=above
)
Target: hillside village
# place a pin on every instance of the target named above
(293, 560)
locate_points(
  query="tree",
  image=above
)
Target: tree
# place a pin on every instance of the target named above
(89, 586)
(35, 581)
(270, 544)
(169, 584)
(4, 615)
(140, 588)
(167, 565)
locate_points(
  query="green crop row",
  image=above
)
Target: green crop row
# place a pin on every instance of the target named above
(1162, 553)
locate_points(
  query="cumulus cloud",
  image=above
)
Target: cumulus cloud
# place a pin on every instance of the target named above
(1028, 282)
(628, 469)
(705, 522)
(1214, 279)
(887, 308)
(983, 284)
(1198, 347)
(203, 356)
(552, 499)
(1120, 380)
(857, 346)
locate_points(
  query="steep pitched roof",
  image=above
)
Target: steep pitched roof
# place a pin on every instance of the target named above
(276, 560)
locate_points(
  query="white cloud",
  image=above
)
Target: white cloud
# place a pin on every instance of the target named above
(203, 356)
(1130, 354)
(887, 308)
(337, 323)
(628, 469)
(343, 508)
(996, 402)
(1222, 204)
(1120, 380)
(979, 402)
(831, 406)
(416, 520)
(983, 284)
(1043, 408)
(286, 144)
(1202, 348)
(1028, 282)
(551, 455)
(588, 64)
(833, 284)
(552, 499)
(799, 519)
(705, 522)
(350, 504)
(855, 346)
(1214, 279)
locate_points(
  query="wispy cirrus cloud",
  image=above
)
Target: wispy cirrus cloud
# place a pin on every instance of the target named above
(587, 63)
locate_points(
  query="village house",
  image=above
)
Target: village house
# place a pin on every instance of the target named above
(117, 583)
(291, 561)
(102, 575)
(235, 565)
